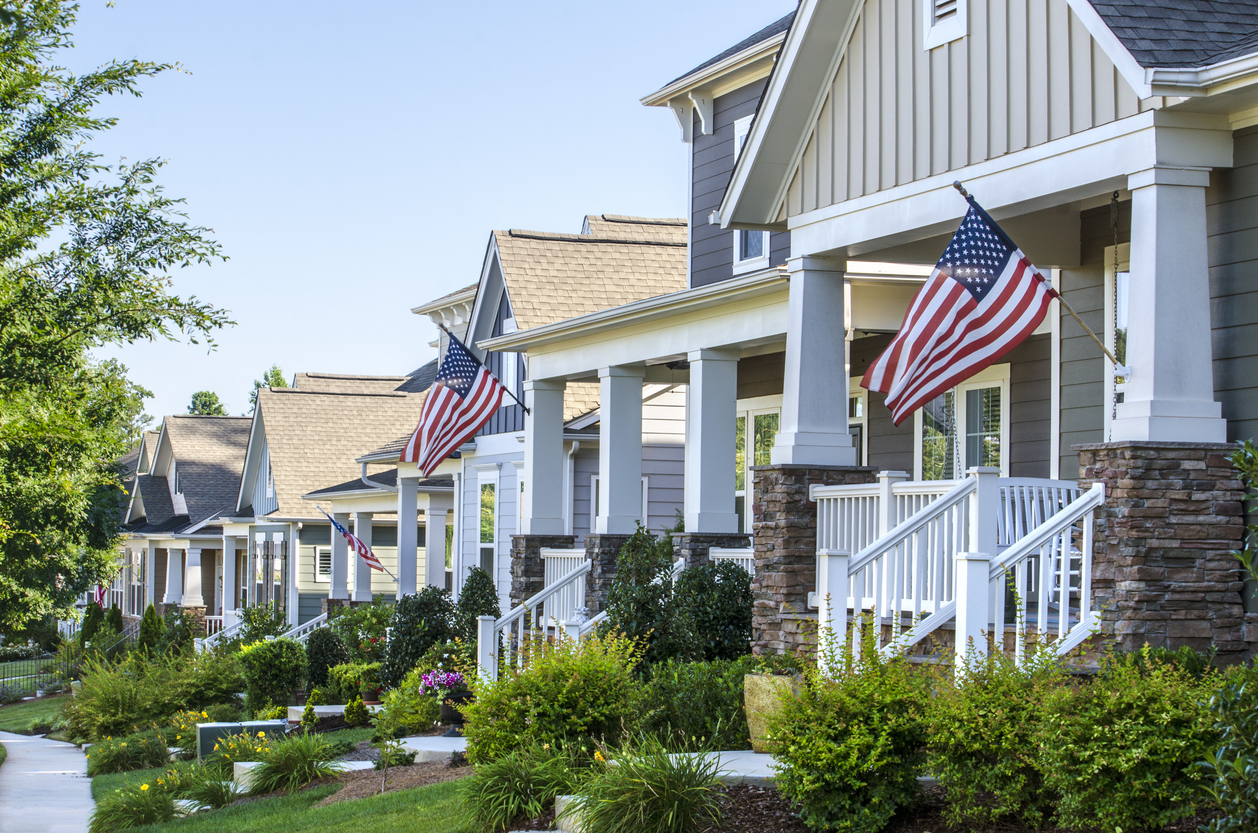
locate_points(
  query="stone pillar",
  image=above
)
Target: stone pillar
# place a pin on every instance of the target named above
(196, 619)
(620, 451)
(1162, 567)
(694, 546)
(711, 428)
(435, 520)
(543, 511)
(527, 570)
(362, 572)
(174, 576)
(602, 550)
(1170, 390)
(192, 595)
(407, 535)
(785, 541)
(814, 395)
(231, 581)
(338, 587)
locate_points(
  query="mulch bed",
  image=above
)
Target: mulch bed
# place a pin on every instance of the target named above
(366, 783)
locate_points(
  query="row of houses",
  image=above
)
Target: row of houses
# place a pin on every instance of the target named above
(709, 366)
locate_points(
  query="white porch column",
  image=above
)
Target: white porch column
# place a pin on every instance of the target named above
(150, 573)
(710, 438)
(174, 576)
(543, 458)
(252, 546)
(362, 572)
(407, 535)
(338, 588)
(1170, 392)
(192, 596)
(620, 450)
(435, 520)
(294, 560)
(814, 395)
(231, 582)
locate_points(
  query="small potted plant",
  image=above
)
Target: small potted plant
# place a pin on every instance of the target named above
(451, 691)
(369, 687)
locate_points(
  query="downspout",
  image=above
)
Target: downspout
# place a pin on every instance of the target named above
(569, 510)
(362, 475)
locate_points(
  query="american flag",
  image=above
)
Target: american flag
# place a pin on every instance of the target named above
(461, 400)
(356, 544)
(102, 590)
(981, 300)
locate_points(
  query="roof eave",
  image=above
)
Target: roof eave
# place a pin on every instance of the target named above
(705, 76)
(448, 301)
(1203, 81)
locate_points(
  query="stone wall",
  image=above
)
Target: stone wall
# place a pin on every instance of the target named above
(694, 546)
(1163, 572)
(528, 571)
(602, 551)
(785, 542)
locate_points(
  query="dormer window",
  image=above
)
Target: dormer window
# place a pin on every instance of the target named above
(270, 483)
(751, 248)
(944, 21)
(175, 476)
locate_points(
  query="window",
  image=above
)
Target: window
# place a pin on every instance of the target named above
(945, 21)
(510, 377)
(594, 496)
(178, 487)
(751, 248)
(488, 518)
(450, 557)
(323, 564)
(1117, 292)
(964, 427)
(270, 481)
(857, 418)
(764, 422)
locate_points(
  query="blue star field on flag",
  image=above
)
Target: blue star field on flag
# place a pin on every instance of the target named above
(977, 255)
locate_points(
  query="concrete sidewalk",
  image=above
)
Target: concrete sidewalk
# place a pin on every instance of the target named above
(44, 786)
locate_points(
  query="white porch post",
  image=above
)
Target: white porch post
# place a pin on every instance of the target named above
(543, 458)
(174, 576)
(435, 520)
(620, 450)
(710, 438)
(814, 395)
(338, 588)
(251, 570)
(833, 589)
(230, 581)
(972, 567)
(192, 595)
(362, 572)
(150, 573)
(1170, 391)
(294, 559)
(407, 535)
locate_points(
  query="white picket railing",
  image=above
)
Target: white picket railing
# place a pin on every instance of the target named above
(913, 576)
(213, 624)
(744, 557)
(222, 633)
(302, 632)
(553, 605)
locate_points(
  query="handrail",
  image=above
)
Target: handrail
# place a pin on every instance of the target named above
(1036, 538)
(912, 524)
(222, 633)
(542, 595)
(302, 632)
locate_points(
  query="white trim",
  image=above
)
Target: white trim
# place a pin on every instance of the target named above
(854, 388)
(937, 32)
(594, 501)
(1054, 384)
(490, 475)
(1113, 48)
(694, 80)
(995, 376)
(323, 578)
(751, 264)
(1110, 336)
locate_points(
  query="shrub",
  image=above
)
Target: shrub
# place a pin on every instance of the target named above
(420, 621)
(309, 721)
(232, 749)
(324, 650)
(1122, 751)
(345, 681)
(520, 785)
(150, 630)
(316, 698)
(849, 749)
(1194, 663)
(134, 805)
(10, 693)
(479, 597)
(982, 744)
(183, 730)
(410, 706)
(260, 621)
(566, 691)
(356, 713)
(639, 601)
(270, 711)
(362, 628)
(93, 618)
(692, 705)
(1234, 765)
(459, 655)
(113, 618)
(213, 791)
(651, 791)
(712, 605)
(273, 668)
(293, 763)
(144, 750)
(177, 633)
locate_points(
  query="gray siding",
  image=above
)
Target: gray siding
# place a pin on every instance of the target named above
(309, 605)
(761, 375)
(890, 448)
(1232, 223)
(712, 161)
(264, 503)
(1027, 73)
(510, 417)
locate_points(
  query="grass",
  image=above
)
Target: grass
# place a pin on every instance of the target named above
(103, 784)
(18, 717)
(3, 753)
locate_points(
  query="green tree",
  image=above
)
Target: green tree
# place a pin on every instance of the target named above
(150, 630)
(87, 252)
(273, 378)
(205, 403)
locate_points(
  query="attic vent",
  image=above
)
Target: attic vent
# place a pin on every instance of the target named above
(945, 21)
(943, 9)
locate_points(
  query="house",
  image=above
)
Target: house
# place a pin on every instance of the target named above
(528, 280)
(187, 473)
(1112, 141)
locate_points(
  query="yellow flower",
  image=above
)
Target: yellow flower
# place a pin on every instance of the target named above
(124, 744)
(178, 737)
(598, 756)
(261, 734)
(144, 787)
(203, 714)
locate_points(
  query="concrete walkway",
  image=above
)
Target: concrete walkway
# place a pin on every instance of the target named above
(44, 786)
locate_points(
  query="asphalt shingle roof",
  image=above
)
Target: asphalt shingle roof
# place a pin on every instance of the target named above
(774, 28)
(420, 379)
(345, 383)
(1182, 33)
(385, 478)
(159, 515)
(646, 229)
(209, 454)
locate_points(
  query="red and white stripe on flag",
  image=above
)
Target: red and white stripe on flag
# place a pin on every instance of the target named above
(364, 552)
(448, 420)
(949, 334)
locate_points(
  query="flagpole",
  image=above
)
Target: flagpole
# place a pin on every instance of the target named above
(957, 184)
(382, 567)
(443, 329)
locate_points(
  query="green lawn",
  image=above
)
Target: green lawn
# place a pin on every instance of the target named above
(3, 753)
(18, 717)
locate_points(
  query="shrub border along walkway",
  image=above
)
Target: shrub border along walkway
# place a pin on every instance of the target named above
(38, 776)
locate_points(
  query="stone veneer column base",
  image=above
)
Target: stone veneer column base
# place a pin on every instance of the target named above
(1163, 570)
(528, 572)
(694, 546)
(602, 550)
(196, 616)
(785, 542)
(329, 605)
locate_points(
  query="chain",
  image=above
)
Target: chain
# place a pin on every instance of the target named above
(1113, 223)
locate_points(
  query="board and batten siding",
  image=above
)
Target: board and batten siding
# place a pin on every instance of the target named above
(1027, 73)
(1232, 226)
(510, 417)
(712, 162)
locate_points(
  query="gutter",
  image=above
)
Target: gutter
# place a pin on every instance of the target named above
(362, 475)
(1194, 82)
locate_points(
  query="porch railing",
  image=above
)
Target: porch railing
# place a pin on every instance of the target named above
(213, 624)
(744, 557)
(222, 633)
(506, 638)
(302, 632)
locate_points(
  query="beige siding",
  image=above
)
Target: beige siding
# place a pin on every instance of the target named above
(1027, 73)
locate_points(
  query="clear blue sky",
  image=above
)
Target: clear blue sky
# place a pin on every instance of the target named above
(353, 158)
